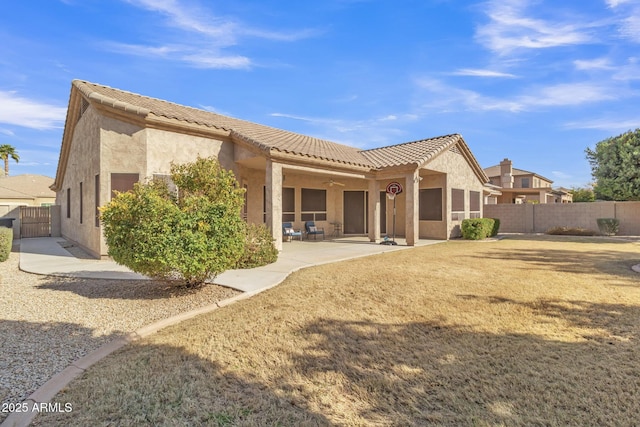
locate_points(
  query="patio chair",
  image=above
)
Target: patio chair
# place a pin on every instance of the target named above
(311, 229)
(289, 233)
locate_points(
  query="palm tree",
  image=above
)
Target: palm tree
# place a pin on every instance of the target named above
(7, 151)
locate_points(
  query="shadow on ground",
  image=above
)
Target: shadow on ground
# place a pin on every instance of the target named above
(118, 289)
(613, 263)
(339, 372)
(31, 353)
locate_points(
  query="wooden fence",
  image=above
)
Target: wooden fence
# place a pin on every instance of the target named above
(35, 221)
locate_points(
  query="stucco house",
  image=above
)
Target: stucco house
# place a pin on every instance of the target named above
(520, 186)
(113, 138)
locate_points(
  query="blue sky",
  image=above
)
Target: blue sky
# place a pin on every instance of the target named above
(534, 81)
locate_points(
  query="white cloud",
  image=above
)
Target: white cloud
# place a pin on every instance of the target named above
(474, 72)
(615, 3)
(205, 36)
(215, 110)
(593, 64)
(510, 27)
(568, 94)
(20, 111)
(363, 133)
(609, 125)
(630, 27)
(189, 17)
(449, 98)
(190, 54)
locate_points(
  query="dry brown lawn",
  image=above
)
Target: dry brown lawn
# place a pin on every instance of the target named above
(522, 331)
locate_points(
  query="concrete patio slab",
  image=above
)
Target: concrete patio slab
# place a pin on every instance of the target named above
(48, 256)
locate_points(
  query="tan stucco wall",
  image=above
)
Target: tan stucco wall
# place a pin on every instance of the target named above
(459, 175)
(164, 148)
(82, 165)
(104, 145)
(436, 229)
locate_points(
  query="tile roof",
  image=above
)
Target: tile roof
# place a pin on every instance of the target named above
(260, 135)
(415, 152)
(26, 186)
(268, 138)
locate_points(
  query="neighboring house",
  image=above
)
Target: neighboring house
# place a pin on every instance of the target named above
(521, 186)
(114, 138)
(24, 190)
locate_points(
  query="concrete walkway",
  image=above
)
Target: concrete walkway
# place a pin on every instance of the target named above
(55, 256)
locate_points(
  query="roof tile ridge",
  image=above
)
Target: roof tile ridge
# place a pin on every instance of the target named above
(142, 110)
(246, 138)
(412, 142)
(92, 94)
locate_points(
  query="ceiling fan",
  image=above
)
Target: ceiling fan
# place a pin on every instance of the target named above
(332, 183)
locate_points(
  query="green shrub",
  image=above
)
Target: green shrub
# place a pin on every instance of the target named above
(608, 226)
(6, 240)
(477, 228)
(496, 227)
(570, 231)
(259, 249)
(190, 237)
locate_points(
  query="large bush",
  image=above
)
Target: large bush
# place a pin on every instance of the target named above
(479, 228)
(190, 236)
(608, 226)
(6, 240)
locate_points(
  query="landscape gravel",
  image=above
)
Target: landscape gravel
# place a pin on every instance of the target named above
(47, 322)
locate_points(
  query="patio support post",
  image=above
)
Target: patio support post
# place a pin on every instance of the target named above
(273, 201)
(374, 210)
(412, 228)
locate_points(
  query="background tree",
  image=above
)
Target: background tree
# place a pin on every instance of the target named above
(615, 165)
(8, 151)
(190, 236)
(583, 194)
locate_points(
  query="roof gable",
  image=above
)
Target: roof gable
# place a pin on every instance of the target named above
(421, 152)
(415, 152)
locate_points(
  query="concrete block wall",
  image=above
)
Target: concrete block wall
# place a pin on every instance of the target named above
(513, 218)
(629, 215)
(538, 218)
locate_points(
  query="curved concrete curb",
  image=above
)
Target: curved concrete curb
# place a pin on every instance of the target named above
(45, 393)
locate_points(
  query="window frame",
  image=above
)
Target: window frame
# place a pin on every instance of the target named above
(309, 210)
(457, 204)
(288, 204)
(430, 211)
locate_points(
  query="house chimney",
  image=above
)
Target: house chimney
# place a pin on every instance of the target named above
(506, 173)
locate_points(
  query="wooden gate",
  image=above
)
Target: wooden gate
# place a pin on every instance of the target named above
(35, 221)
